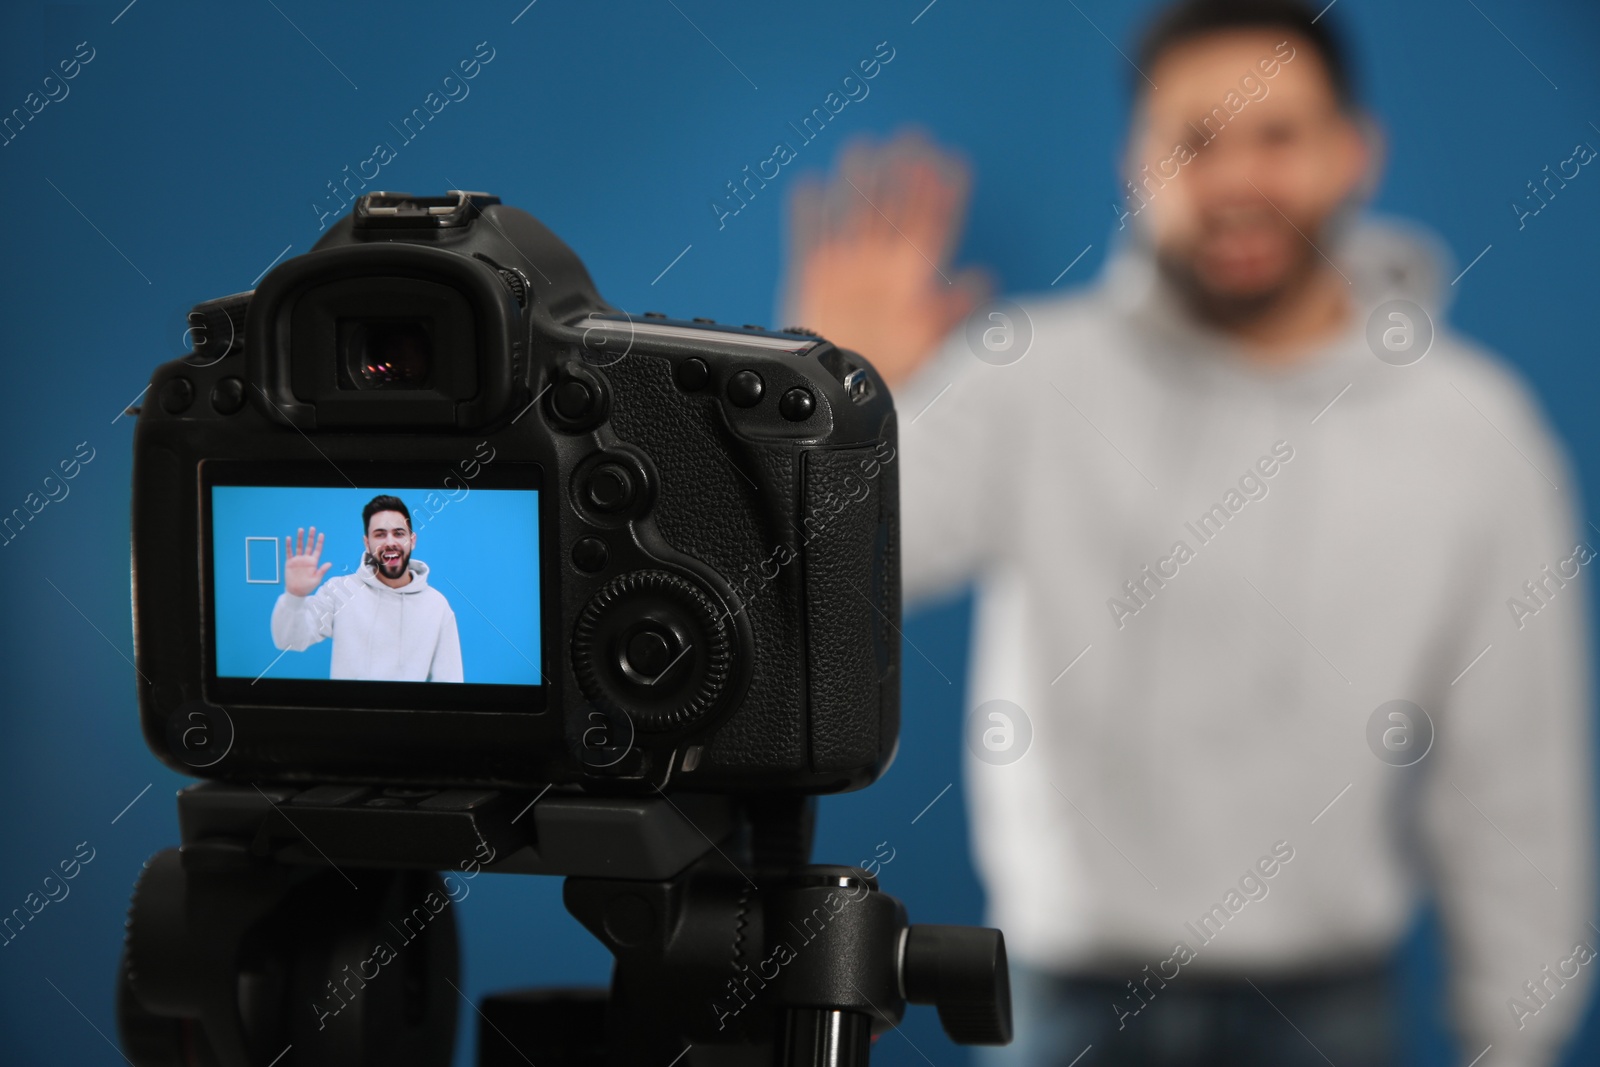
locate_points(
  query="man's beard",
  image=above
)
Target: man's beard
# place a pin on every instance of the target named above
(1227, 309)
(390, 570)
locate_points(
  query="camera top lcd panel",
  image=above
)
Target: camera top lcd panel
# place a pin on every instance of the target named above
(422, 509)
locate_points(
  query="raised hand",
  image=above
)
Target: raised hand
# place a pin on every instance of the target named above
(300, 570)
(869, 254)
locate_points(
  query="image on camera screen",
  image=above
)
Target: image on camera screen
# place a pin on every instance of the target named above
(396, 584)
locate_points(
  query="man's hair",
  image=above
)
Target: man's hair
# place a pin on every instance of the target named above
(383, 502)
(1188, 20)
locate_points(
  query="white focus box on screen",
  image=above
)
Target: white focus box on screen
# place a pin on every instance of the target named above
(255, 566)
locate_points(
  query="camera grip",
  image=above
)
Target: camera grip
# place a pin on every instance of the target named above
(853, 655)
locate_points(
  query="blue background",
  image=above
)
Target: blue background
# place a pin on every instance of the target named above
(485, 541)
(192, 148)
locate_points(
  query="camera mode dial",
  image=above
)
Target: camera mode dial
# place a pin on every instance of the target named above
(655, 645)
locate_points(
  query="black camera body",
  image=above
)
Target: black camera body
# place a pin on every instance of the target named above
(709, 517)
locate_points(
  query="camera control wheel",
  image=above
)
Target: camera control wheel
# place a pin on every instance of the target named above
(657, 646)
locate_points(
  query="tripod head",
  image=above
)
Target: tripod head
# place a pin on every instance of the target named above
(311, 925)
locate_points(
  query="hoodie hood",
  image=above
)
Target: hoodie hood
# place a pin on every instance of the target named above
(418, 582)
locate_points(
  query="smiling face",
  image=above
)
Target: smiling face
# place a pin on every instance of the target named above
(389, 543)
(1238, 214)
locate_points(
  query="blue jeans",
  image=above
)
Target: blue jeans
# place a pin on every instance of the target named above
(1346, 1018)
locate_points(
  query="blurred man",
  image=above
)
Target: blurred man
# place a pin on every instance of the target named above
(387, 623)
(1282, 613)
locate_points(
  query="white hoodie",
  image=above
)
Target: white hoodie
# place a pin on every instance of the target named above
(379, 633)
(1181, 737)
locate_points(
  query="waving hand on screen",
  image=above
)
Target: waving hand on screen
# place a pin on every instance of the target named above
(301, 573)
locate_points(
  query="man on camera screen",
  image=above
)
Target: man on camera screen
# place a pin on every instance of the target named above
(387, 623)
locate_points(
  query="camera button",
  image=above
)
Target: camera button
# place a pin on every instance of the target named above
(745, 389)
(573, 400)
(590, 554)
(611, 488)
(797, 404)
(176, 395)
(692, 375)
(227, 396)
(649, 654)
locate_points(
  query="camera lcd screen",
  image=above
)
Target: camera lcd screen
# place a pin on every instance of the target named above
(415, 591)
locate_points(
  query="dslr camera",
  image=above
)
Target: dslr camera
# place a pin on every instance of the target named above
(423, 509)
(423, 530)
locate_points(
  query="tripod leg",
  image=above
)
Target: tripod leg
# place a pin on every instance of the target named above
(819, 1037)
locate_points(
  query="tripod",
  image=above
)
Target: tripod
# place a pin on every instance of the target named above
(303, 927)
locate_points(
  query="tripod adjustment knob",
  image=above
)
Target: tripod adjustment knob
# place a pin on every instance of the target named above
(962, 971)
